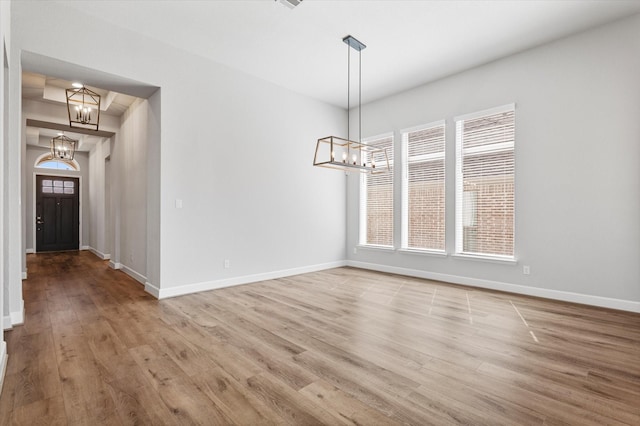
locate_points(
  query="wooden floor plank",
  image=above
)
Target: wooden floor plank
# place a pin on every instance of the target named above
(342, 346)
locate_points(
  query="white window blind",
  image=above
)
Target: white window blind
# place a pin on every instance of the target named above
(376, 200)
(485, 195)
(423, 188)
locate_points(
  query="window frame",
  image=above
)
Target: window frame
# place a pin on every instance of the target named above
(363, 194)
(459, 192)
(44, 158)
(404, 242)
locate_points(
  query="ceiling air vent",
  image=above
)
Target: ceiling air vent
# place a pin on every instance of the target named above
(290, 3)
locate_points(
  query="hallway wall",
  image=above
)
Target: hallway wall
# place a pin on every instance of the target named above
(48, 112)
(98, 195)
(5, 42)
(235, 154)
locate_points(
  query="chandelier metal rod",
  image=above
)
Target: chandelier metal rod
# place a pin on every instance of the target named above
(348, 92)
(347, 154)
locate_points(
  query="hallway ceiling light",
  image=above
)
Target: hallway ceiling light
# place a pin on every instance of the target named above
(83, 106)
(63, 147)
(344, 154)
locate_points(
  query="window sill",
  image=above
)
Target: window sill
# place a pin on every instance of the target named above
(490, 259)
(439, 253)
(373, 247)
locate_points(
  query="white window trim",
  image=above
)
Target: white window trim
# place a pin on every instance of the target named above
(404, 203)
(376, 247)
(486, 258)
(424, 252)
(47, 156)
(459, 181)
(488, 111)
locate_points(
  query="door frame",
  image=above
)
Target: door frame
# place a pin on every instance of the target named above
(53, 172)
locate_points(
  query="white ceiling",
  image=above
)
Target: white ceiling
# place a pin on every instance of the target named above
(409, 42)
(43, 88)
(41, 137)
(51, 91)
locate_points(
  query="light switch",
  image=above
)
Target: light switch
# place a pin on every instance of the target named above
(178, 203)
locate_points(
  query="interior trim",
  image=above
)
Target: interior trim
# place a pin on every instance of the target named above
(565, 296)
(163, 293)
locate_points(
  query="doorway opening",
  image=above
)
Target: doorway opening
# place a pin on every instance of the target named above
(57, 213)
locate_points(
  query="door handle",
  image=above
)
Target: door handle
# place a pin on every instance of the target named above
(39, 222)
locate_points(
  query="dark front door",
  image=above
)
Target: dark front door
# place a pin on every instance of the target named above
(57, 213)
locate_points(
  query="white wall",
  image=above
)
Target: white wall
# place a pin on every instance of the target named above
(130, 157)
(577, 167)
(153, 186)
(98, 186)
(236, 150)
(4, 135)
(12, 173)
(241, 165)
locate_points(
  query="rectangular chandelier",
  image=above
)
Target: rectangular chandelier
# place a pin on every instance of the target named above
(342, 154)
(345, 154)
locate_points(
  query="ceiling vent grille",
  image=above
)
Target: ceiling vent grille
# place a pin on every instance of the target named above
(290, 3)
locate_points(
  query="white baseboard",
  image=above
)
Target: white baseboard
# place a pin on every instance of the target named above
(14, 318)
(30, 251)
(133, 274)
(152, 290)
(115, 265)
(17, 318)
(163, 293)
(3, 362)
(85, 248)
(6, 322)
(100, 255)
(566, 296)
(24, 275)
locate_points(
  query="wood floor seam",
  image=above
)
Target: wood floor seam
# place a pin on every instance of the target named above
(340, 346)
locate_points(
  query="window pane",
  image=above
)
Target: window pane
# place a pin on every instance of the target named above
(55, 164)
(69, 184)
(47, 182)
(47, 189)
(58, 190)
(376, 200)
(424, 218)
(68, 190)
(485, 184)
(58, 183)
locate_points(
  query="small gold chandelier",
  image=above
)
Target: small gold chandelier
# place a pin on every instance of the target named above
(345, 154)
(63, 148)
(83, 106)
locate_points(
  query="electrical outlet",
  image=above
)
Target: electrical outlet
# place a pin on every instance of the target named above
(227, 264)
(355, 250)
(526, 270)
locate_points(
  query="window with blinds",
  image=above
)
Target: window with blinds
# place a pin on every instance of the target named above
(376, 200)
(485, 195)
(423, 224)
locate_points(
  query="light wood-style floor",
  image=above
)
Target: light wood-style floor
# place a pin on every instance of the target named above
(343, 346)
